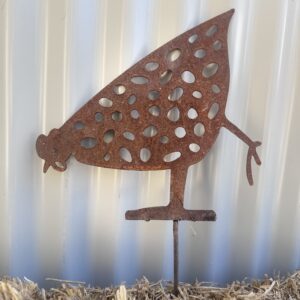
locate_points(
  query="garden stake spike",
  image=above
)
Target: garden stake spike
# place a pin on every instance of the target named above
(165, 112)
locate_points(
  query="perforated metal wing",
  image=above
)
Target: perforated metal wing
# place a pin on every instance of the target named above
(165, 110)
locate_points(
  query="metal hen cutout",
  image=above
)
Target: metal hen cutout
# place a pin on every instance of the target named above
(165, 112)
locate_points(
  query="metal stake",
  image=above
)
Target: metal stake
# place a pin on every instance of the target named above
(175, 257)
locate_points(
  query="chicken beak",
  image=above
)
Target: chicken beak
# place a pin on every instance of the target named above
(46, 167)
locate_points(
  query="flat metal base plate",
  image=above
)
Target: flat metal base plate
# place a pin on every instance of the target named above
(170, 213)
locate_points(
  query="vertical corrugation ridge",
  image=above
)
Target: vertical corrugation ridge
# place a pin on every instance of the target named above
(68, 16)
(8, 109)
(275, 144)
(94, 247)
(283, 211)
(5, 95)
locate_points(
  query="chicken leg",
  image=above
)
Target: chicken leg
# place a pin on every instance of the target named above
(175, 209)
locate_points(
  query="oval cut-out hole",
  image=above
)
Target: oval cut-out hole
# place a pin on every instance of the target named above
(154, 111)
(153, 95)
(119, 89)
(164, 139)
(194, 147)
(199, 129)
(151, 66)
(210, 70)
(150, 131)
(188, 77)
(200, 53)
(192, 113)
(176, 94)
(128, 135)
(116, 116)
(78, 125)
(99, 117)
(173, 55)
(216, 89)
(193, 38)
(145, 154)
(139, 80)
(172, 156)
(88, 143)
(105, 102)
(165, 77)
(217, 45)
(134, 114)
(131, 100)
(173, 114)
(125, 154)
(214, 109)
(106, 157)
(108, 136)
(197, 94)
(211, 30)
(180, 132)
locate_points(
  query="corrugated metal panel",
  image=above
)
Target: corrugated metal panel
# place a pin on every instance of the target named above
(55, 55)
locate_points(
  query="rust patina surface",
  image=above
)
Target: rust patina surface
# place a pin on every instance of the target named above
(165, 112)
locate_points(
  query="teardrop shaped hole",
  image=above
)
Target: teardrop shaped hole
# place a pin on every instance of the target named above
(192, 113)
(106, 157)
(125, 154)
(180, 132)
(108, 136)
(194, 147)
(128, 135)
(134, 114)
(150, 131)
(79, 125)
(116, 116)
(119, 89)
(172, 156)
(213, 111)
(188, 77)
(131, 100)
(151, 66)
(217, 45)
(173, 55)
(145, 154)
(211, 30)
(200, 53)
(105, 102)
(154, 111)
(215, 89)
(210, 70)
(173, 114)
(88, 142)
(139, 80)
(199, 129)
(153, 95)
(197, 94)
(175, 94)
(193, 38)
(164, 139)
(165, 77)
(99, 117)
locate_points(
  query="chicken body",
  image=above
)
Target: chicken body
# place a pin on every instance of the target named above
(164, 111)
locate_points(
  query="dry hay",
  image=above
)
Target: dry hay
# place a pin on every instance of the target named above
(268, 288)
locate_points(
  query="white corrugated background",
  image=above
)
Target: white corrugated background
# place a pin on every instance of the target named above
(55, 55)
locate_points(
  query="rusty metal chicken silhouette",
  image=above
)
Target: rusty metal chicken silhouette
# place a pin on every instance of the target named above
(165, 112)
